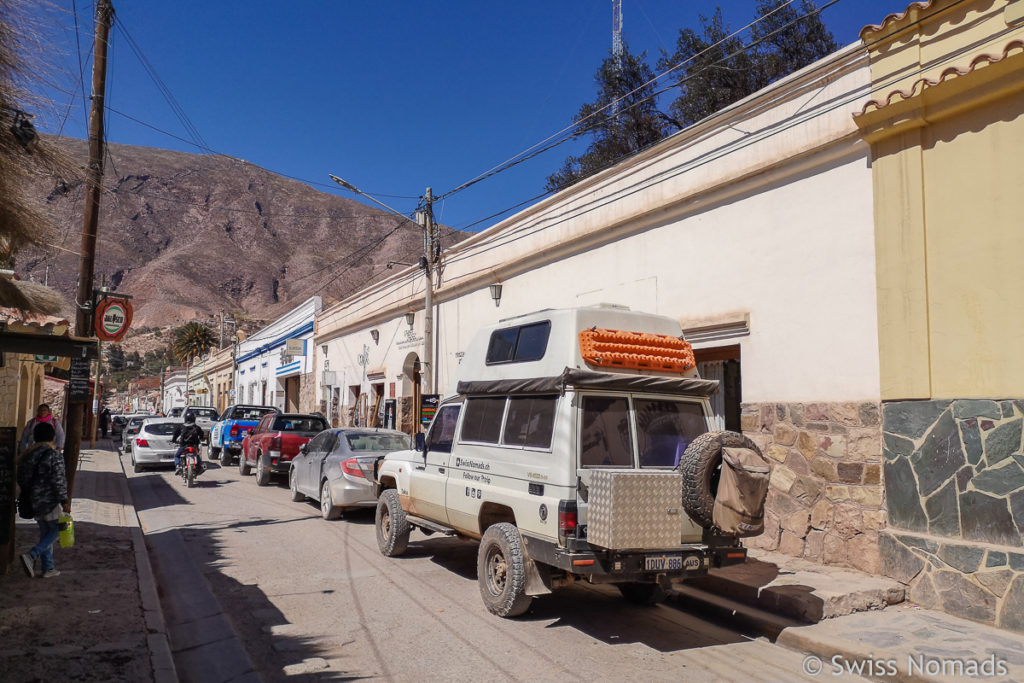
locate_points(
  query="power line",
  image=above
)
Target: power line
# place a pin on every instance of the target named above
(712, 155)
(610, 105)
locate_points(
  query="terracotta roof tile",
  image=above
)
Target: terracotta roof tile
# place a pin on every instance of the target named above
(949, 72)
(895, 17)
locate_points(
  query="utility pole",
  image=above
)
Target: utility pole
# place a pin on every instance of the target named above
(90, 223)
(430, 376)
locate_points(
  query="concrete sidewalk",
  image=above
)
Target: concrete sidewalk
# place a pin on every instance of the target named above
(101, 618)
(849, 622)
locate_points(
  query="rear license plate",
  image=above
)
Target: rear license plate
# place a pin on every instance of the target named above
(659, 563)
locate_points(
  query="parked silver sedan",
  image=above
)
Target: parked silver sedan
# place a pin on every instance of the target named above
(336, 467)
(152, 446)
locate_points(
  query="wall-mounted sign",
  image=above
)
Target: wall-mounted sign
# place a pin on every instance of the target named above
(295, 347)
(428, 406)
(78, 381)
(42, 358)
(113, 318)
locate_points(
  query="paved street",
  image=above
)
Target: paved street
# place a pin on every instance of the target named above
(306, 596)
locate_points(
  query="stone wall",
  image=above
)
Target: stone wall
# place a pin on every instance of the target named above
(954, 472)
(825, 501)
(308, 400)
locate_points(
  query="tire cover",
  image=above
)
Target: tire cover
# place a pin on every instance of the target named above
(699, 466)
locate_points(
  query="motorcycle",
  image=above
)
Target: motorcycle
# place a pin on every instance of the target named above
(190, 466)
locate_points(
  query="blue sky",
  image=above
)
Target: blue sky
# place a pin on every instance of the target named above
(393, 96)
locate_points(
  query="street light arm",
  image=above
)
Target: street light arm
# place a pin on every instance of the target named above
(352, 188)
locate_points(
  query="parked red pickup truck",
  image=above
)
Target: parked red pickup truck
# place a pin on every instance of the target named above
(270, 447)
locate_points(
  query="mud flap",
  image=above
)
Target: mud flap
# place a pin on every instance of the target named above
(538, 577)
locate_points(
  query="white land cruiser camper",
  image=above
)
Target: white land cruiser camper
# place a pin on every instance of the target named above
(577, 448)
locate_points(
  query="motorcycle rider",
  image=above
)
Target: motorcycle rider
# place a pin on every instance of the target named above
(187, 434)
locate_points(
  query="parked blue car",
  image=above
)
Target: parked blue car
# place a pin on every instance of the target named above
(227, 433)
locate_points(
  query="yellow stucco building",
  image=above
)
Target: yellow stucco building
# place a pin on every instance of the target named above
(946, 128)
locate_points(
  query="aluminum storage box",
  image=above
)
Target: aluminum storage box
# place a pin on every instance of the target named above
(630, 509)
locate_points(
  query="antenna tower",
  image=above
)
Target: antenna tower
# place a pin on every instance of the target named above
(617, 44)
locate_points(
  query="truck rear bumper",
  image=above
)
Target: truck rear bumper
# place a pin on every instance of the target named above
(600, 565)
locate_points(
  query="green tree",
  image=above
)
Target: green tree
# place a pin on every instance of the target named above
(616, 135)
(718, 70)
(192, 340)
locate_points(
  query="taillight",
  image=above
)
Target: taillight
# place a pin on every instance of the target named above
(351, 466)
(234, 430)
(275, 443)
(567, 520)
(142, 442)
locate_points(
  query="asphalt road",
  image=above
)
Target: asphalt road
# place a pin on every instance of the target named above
(255, 586)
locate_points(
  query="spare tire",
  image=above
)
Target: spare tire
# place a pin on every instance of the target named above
(701, 466)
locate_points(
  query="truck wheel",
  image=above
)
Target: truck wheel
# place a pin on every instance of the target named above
(294, 486)
(327, 508)
(243, 465)
(262, 476)
(642, 593)
(392, 526)
(701, 467)
(215, 453)
(501, 571)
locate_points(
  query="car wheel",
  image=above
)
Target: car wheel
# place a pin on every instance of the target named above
(501, 571)
(392, 526)
(262, 475)
(294, 486)
(327, 508)
(135, 466)
(243, 465)
(642, 593)
(701, 467)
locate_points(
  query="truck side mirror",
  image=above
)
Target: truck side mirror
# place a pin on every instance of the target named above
(304, 448)
(421, 443)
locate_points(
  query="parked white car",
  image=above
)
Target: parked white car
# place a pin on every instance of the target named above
(205, 417)
(152, 446)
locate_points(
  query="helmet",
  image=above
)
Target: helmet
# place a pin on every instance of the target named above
(190, 418)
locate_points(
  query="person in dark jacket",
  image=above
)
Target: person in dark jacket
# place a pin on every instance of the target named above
(104, 422)
(41, 473)
(187, 434)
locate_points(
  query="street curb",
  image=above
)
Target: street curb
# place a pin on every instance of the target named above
(159, 644)
(756, 619)
(824, 648)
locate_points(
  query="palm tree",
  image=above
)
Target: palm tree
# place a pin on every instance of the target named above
(192, 340)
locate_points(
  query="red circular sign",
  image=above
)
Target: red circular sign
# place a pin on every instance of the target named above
(113, 318)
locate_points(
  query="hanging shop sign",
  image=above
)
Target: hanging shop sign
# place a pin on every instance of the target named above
(113, 318)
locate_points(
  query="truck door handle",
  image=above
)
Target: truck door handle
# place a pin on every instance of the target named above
(441, 470)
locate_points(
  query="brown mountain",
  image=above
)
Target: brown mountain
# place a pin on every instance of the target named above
(191, 235)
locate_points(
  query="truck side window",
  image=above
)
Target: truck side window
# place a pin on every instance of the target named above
(442, 431)
(530, 421)
(519, 344)
(482, 422)
(605, 439)
(665, 428)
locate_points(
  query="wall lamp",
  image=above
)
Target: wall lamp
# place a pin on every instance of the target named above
(496, 293)
(410, 318)
(376, 336)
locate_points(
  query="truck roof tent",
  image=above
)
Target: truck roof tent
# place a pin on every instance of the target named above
(545, 343)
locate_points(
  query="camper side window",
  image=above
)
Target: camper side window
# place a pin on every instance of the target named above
(605, 438)
(519, 344)
(482, 422)
(530, 421)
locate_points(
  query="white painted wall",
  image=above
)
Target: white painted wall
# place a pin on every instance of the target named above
(764, 209)
(259, 356)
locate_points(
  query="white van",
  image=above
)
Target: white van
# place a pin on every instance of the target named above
(578, 447)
